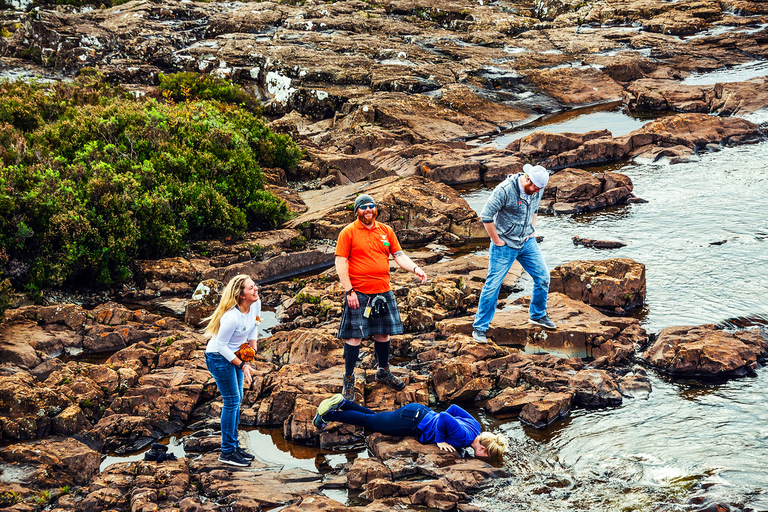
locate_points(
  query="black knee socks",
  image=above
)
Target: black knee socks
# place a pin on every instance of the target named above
(382, 353)
(350, 358)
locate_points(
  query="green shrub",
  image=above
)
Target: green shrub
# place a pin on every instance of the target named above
(91, 179)
(304, 298)
(196, 86)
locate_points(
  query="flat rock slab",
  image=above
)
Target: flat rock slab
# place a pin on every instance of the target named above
(706, 351)
(446, 480)
(254, 486)
(48, 464)
(580, 327)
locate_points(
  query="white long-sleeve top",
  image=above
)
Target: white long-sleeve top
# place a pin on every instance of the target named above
(235, 329)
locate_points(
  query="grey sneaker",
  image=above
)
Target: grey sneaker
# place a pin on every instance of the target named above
(349, 388)
(329, 404)
(385, 376)
(479, 337)
(244, 454)
(543, 321)
(234, 459)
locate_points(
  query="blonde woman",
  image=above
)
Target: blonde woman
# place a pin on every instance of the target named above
(232, 324)
(454, 428)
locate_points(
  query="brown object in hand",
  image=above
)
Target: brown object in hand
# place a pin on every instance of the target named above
(246, 353)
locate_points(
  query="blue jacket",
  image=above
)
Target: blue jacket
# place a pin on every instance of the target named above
(455, 426)
(510, 213)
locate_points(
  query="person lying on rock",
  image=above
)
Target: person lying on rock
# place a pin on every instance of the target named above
(452, 429)
(233, 324)
(509, 217)
(370, 309)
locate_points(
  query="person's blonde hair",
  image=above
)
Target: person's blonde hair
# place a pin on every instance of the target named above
(496, 444)
(229, 298)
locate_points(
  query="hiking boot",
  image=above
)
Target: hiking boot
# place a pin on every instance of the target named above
(329, 404)
(385, 376)
(349, 388)
(543, 321)
(234, 459)
(479, 337)
(244, 454)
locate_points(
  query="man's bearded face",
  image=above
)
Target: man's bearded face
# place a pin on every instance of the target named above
(368, 216)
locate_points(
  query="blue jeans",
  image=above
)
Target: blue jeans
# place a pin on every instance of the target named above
(500, 260)
(400, 422)
(229, 380)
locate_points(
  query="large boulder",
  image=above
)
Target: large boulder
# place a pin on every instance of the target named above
(616, 283)
(706, 351)
(419, 210)
(34, 467)
(28, 409)
(204, 301)
(575, 191)
(595, 388)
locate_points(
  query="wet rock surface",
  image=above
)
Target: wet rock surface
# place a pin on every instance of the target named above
(447, 74)
(158, 386)
(617, 283)
(397, 120)
(706, 351)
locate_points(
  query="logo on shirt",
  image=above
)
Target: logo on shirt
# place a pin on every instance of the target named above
(384, 240)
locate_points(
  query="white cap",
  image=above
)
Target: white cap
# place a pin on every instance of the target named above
(538, 174)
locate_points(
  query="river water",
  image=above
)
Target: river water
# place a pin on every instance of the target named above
(703, 237)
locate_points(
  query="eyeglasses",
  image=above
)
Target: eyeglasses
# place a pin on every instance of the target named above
(366, 207)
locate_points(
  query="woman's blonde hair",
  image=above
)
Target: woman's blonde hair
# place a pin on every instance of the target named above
(229, 298)
(496, 444)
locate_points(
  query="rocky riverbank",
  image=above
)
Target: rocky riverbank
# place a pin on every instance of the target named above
(386, 97)
(60, 412)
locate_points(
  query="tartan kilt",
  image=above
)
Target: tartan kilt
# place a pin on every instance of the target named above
(354, 325)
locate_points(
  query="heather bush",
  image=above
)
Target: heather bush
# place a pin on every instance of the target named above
(91, 179)
(187, 86)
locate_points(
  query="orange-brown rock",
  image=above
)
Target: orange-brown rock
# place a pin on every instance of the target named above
(318, 349)
(27, 408)
(581, 329)
(576, 190)
(550, 408)
(706, 351)
(418, 209)
(595, 388)
(616, 283)
(49, 464)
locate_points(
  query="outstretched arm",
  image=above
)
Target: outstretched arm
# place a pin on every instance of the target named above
(406, 263)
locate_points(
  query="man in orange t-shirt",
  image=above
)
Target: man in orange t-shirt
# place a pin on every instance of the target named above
(370, 309)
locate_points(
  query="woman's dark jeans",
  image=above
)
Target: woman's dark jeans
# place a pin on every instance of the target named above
(400, 422)
(229, 380)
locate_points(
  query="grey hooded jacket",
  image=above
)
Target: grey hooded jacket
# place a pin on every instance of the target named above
(510, 213)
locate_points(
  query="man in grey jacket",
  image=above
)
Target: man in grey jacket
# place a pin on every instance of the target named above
(509, 216)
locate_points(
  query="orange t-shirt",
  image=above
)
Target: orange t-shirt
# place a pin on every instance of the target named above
(367, 251)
